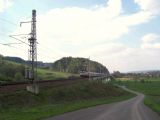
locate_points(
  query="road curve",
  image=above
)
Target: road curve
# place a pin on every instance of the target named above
(132, 109)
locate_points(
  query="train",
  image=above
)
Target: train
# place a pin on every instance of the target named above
(92, 74)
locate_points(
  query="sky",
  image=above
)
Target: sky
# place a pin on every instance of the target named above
(123, 35)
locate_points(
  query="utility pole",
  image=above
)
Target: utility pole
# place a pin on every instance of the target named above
(32, 56)
(33, 48)
(89, 68)
(31, 70)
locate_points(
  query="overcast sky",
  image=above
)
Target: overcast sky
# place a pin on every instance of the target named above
(123, 35)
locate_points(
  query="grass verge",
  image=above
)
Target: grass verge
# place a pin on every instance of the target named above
(44, 111)
(55, 101)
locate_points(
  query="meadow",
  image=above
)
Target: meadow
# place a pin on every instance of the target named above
(45, 74)
(150, 87)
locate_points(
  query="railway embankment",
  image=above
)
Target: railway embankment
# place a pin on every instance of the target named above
(53, 100)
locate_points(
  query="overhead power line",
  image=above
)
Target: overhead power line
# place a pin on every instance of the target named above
(44, 48)
(21, 41)
(8, 21)
(18, 39)
(21, 34)
(6, 44)
(49, 49)
(9, 43)
(3, 34)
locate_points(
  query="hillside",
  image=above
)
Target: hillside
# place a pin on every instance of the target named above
(40, 64)
(13, 68)
(14, 59)
(13, 71)
(10, 71)
(75, 65)
(67, 64)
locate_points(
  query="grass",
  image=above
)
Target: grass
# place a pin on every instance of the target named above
(54, 101)
(150, 87)
(52, 75)
(44, 111)
(42, 74)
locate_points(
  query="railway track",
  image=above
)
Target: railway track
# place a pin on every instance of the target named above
(12, 87)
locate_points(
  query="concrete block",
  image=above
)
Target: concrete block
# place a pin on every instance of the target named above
(33, 89)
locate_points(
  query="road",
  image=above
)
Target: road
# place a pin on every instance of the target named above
(132, 109)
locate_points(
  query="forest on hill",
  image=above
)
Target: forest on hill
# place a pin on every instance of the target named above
(76, 65)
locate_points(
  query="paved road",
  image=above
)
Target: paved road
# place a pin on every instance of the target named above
(132, 109)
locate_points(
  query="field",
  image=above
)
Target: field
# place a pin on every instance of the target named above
(150, 87)
(22, 105)
(44, 74)
(15, 72)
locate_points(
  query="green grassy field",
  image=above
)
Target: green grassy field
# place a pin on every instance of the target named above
(15, 72)
(44, 74)
(150, 87)
(54, 101)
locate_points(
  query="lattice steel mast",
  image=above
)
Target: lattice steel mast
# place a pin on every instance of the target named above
(33, 48)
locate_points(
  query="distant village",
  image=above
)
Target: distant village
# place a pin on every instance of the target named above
(136, 75)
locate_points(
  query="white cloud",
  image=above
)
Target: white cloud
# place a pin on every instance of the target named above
(78, 25)
(13, 50)
(108, 49)
(145, 57)
(149, 5)
(4, 4)
(91, 32)
(114, 7)
(150, 37)
(118, 56)
(151, 41)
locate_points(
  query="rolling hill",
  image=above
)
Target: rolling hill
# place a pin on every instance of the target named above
(75, 65)
(13, 68)
(11, 71)
(66, 64)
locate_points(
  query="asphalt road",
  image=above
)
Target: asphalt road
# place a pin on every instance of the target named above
(132, 109)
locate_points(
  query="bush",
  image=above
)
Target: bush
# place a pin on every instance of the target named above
(4, 78)
(142, 81)
(18, 77)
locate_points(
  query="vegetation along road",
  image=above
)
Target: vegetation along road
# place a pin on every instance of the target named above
(132, 109)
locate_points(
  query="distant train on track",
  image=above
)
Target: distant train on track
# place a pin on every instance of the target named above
(92, 74)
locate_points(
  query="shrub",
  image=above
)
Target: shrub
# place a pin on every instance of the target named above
(18, 77)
